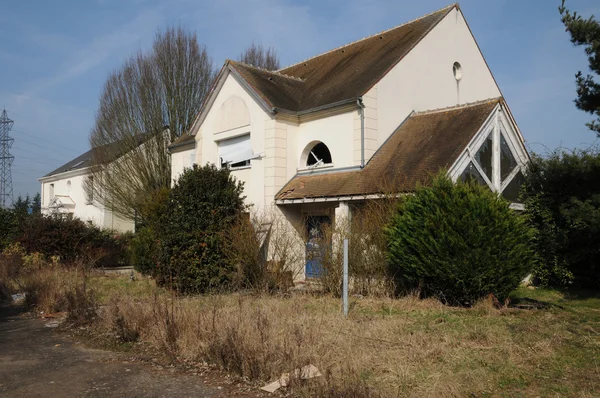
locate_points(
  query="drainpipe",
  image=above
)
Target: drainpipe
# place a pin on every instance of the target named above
(361, 110)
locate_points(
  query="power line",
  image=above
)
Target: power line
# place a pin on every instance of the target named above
(42, 155)
(47, 141)
(38, 145)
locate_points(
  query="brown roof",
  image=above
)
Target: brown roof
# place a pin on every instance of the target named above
(421, 146)
(277, 90)
(341, 74)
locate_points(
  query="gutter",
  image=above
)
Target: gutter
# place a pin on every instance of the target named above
(64, 174)
(181, 144)
(348, 198)
(315, 109)
(361, 110)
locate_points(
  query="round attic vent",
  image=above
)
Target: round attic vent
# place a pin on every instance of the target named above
(457, 70)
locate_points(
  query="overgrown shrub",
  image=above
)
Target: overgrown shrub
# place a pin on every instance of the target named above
(202, 205)
(142, 251)
(72, 240)
(459, 242)
(367, 249)
(8, 227)
(562, 198)
(11, 267)
(144, 244)
(267, 251)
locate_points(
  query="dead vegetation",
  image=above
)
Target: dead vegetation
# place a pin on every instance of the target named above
(387, 347)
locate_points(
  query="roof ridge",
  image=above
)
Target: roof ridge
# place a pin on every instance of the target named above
(459, 106)
(275, 72)
(368, 37)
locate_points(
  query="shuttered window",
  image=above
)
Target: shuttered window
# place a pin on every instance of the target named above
(235, 152)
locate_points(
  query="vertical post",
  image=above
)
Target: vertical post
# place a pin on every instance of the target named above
(345, 282)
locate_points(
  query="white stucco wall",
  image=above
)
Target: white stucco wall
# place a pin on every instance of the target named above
(219, 124)
(424, 79)
(334, 130)
(180, 160)
(86, 212)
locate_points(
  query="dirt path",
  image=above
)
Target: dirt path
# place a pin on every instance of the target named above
(35, 361)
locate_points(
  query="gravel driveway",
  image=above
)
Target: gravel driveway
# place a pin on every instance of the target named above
(36, 361)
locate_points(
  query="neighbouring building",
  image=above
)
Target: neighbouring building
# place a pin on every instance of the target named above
(315, 138)
(63, 193)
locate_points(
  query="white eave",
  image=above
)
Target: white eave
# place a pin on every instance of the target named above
(64, 174)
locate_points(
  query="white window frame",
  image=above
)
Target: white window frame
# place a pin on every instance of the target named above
(496, 125)
(246, 154)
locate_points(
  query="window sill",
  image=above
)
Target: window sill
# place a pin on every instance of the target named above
(240, 168)
(308, 169)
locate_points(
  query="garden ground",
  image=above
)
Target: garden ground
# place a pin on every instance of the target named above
(35, 361)
(543, 343)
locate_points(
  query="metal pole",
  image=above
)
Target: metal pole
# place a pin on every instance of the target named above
(345, 283)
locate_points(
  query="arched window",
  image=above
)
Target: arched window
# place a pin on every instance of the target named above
(318, 155)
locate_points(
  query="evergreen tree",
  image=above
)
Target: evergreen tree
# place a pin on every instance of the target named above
(21, 206)
(586, 32)
(36, 204)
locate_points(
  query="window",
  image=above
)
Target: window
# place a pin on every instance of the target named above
(457, 71)
(484, 157)
(507, 160)
(495, 165)
(69, 187)
(192, 159)
(512, 190)
(235, 152)
(51, 191)
(472, 174)
(318, 155)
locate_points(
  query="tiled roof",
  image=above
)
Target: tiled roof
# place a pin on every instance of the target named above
(80, 162)
(341, 74)
(113, 151)
(422, 145)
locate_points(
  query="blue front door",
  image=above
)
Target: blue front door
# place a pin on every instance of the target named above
(315, 246)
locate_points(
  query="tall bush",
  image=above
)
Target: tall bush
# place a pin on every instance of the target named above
(562, 198)
(144, 245)
(202, 205)
(458, 242)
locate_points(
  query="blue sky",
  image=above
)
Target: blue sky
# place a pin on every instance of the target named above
(55, 56)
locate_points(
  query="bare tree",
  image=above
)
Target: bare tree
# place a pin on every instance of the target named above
(152, 90)
(260, 57)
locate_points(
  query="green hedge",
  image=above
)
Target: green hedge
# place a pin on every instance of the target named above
(458, 242)
(562, 199)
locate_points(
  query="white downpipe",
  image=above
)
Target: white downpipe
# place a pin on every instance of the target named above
(361, 109)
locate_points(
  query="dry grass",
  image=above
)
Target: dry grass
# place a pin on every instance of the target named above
(387, 347)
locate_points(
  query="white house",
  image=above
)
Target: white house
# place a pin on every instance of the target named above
(314, 138)
(63, 193)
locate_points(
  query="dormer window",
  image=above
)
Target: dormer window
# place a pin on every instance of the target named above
(318, 155)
